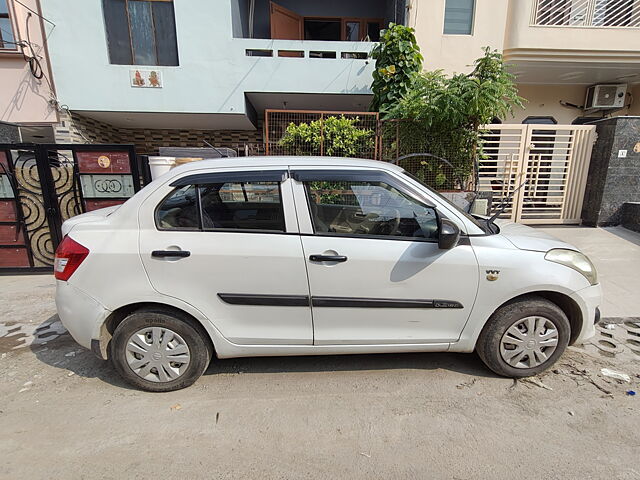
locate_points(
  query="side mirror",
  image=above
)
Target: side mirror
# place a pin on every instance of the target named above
(448, 234)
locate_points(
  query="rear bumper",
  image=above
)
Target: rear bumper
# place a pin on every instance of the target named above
(589, 300)
(80, 314)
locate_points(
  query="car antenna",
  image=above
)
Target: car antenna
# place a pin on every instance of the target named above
(505, 203)
(222, 154)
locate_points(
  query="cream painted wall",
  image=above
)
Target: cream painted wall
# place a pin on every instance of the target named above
(635, 106)
(455, 53)
(23, 98)
(544, 100)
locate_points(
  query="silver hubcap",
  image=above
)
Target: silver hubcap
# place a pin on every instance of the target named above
(157, 354)
(529, 342)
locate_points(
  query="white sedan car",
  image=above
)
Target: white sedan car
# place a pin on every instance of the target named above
(308, 256)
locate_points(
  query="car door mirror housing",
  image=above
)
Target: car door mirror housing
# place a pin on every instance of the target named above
(448, 234)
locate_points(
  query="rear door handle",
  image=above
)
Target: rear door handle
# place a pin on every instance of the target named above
(327, 258)
(170, 253)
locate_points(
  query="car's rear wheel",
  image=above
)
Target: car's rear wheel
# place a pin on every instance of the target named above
(524, 338)
(159, 352)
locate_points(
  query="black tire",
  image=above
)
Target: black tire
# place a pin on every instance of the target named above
(200, 350)
(488, 346)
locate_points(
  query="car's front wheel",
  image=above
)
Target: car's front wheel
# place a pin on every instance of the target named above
(524, 338)
(158, 351)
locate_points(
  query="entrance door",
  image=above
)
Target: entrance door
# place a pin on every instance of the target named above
(285, 24)
(376, 274)
(227, 244)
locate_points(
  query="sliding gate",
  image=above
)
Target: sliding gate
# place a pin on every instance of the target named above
(43, 185)
(553, 160)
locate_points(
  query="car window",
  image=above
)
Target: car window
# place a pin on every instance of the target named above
(179, 210)
(368, 208)
(223, 206)
(242, 206)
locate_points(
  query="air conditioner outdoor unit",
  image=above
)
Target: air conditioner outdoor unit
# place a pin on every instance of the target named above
(605, 97)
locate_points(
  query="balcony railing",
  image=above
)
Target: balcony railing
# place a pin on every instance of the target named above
(586, 13)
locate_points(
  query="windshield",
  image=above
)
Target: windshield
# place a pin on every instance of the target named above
(483, 225)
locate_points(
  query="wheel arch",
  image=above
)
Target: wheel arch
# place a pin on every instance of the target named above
(118, 315)
(569, 306)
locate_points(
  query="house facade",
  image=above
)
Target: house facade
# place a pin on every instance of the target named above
(162, 72)
(28, 107)
(556, 49)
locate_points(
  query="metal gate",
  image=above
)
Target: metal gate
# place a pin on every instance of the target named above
(43, 185)
(553, 160)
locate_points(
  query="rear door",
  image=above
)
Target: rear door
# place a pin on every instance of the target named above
(376, 274)
(227, 243)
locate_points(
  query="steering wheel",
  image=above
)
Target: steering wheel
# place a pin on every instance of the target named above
(389, 227)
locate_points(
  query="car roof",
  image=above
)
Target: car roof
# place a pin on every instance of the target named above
(284, 160)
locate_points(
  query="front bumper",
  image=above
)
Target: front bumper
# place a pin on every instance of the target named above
(80, 314)
(589, 300)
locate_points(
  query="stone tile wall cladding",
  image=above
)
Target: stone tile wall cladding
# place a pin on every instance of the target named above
(612, 181)
(74, 128)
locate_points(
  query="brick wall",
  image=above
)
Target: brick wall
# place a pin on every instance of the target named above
(75, 128)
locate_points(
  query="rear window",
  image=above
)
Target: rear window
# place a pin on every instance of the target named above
(223, 206)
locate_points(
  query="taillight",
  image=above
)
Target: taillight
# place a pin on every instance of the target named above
(69, 255)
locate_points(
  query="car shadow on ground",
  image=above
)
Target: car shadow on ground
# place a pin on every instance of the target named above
(62, 352)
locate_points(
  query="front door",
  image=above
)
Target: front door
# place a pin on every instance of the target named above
(376, 274)
(227, 244)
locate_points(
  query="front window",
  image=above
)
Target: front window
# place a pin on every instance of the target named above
(368, 208)
(480, 224)
(141, 32)
(7, 37)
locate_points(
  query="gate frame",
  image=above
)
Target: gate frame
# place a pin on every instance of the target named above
(49, 195)
(576, 175)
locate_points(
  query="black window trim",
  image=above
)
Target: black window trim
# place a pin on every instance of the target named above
(237, 176)
(362, 176)
(201, 228)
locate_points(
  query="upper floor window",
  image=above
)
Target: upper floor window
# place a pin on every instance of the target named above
(458, 17)
(7, 38)
(141, 32)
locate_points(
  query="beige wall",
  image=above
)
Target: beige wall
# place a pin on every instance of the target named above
(455, 53)
(544, 100)
(618, 43)
(23, 98)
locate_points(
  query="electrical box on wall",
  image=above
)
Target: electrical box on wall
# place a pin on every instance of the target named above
(605, 97)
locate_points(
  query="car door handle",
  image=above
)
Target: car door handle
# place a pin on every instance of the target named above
(170, 253)
(327, 258)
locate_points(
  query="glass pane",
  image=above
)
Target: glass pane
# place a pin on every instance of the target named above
(242, 206)
(142, 35)
(3, 7)
(369, 208)
(458, 17)
(165, 29)
(373, 30)
(322, 30)
(6, 34)
(117, 27)
(179, 210)
(352, 32)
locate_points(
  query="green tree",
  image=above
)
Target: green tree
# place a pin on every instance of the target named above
(449, 111)
(398, 62)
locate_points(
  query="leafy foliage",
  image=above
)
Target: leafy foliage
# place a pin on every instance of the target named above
(398, 62)
(447, 112)
(333, 136)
